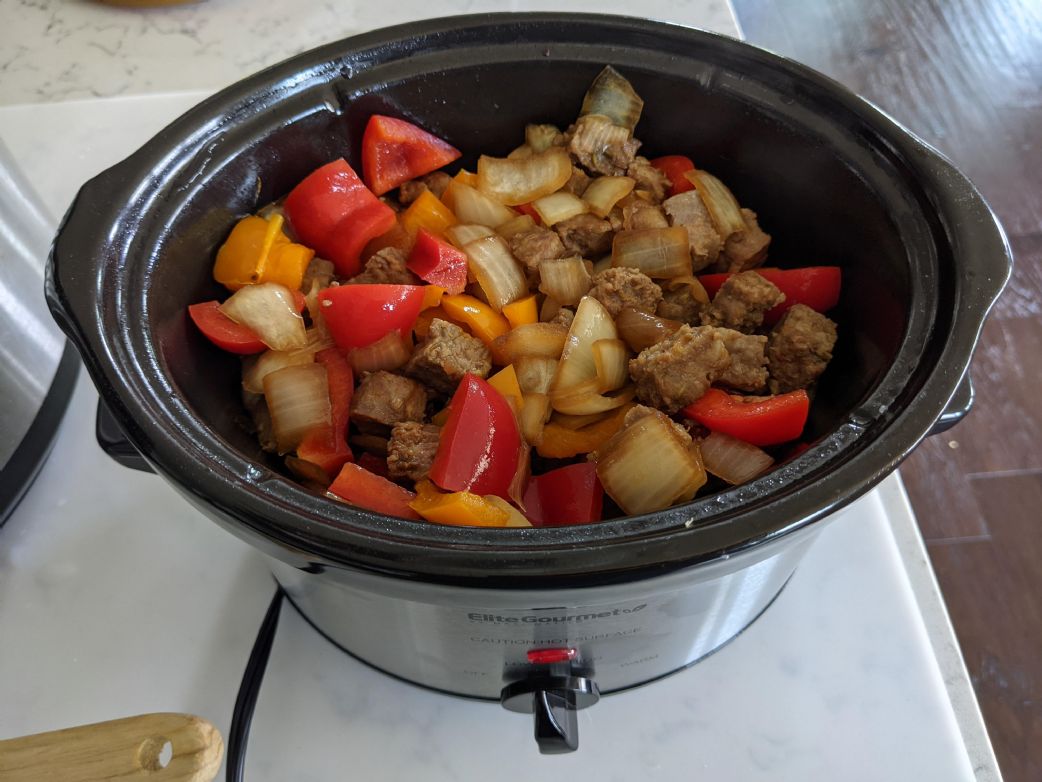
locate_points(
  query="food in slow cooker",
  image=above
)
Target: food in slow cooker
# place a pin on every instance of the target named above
(502, 347)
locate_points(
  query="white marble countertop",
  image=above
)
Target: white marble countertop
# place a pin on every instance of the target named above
(117, 598)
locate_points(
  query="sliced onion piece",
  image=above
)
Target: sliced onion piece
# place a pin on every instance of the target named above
(518, 153)
(523, 473)
(733, 460)
(298, 400)
(648, 466)
(585, 399)
(640, 330)
(719, 201)
(592, 322)
(543, 340)
(463, 234)
(515, 518)
(601, 265)
(611, 358)
(515, 226)
(574, 422)
(389, 352)
(534, 414)
(540, 137)
(270, 361)
(472, 206)
(565, 280)
(658, 252)
(271, 312)
(559, 206)
(604, 192)
(519, 180)
(612, 96)
(548, 309)
(496, 271)
(534, 373)
(694, 286)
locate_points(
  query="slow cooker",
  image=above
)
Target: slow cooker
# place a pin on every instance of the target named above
(544, 620)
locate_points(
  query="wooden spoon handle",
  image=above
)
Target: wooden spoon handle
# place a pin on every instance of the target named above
(126, 749)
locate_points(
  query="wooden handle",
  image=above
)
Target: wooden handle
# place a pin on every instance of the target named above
(126, 749)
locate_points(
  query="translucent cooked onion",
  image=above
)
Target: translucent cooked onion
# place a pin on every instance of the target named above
(559, 206)
(604, 192)
(515, 226)
(520, 180)
(586, 398)
(270, 311)
(389, 352)
(640, 330)
(565, 280)
(612, 96)
(611, 358)
(534, 373)
(256, 369)
(694, 287)
(540, 137)
(517, 153)
(534, 414)
(298, 400)
(719, 201)
(515, 518)
(543, 340)
(574, 422)
(648, 466)
(522, 475)
(658, 252)
(592, 322)
(472, 206)
(495, 270)
(733, 460)
(463, 234)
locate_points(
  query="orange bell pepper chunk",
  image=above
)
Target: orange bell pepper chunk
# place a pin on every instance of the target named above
(505, 382)
(562, 442)
(432, 295)
(485, 323)
(256, 251)
(461, 508)
(427, 211)
(522, 312)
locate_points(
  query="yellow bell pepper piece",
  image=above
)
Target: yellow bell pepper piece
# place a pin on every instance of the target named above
(257, 250)
(427, 211)
(522, 312)
(505, 382)
(515, 518)
(461, 508)
(483, 321)
(432, 296)
(562, 442)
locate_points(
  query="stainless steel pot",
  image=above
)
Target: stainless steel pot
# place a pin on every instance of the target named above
(537, 617)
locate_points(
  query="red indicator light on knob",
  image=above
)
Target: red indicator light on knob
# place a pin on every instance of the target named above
(546, 656)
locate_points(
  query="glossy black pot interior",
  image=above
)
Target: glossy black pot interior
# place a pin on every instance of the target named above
(832, 179)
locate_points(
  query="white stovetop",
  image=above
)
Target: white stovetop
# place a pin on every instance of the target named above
(117, 598)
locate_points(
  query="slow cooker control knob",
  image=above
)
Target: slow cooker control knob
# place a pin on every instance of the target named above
(554, 700)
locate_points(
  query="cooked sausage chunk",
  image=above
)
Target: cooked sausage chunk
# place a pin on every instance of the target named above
(436, 182)
(748, 352)
(648, 178)
(799, 348)
(741, 302)
(602, 147)
(638, 214)
(578, 183)
(746, 249)
(687, 209)
(621, 286)
(387, 267)
(679, 369)
(411, 450)
(446, 355)
(680, 305)
(535, 245)
(586, 235)
(383, 399)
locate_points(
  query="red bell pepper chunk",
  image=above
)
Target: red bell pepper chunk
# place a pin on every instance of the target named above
(567, 495)
(769, 421)
(674, 167)
(366, 490)
(528, 209)
(224, 332)
(395, 151)
(816, 287)
(336, 215)
(359, 315)
(438, 262)
(327, 446)
(480, 444)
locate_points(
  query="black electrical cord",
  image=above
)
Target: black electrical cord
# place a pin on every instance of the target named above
(249, 688)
